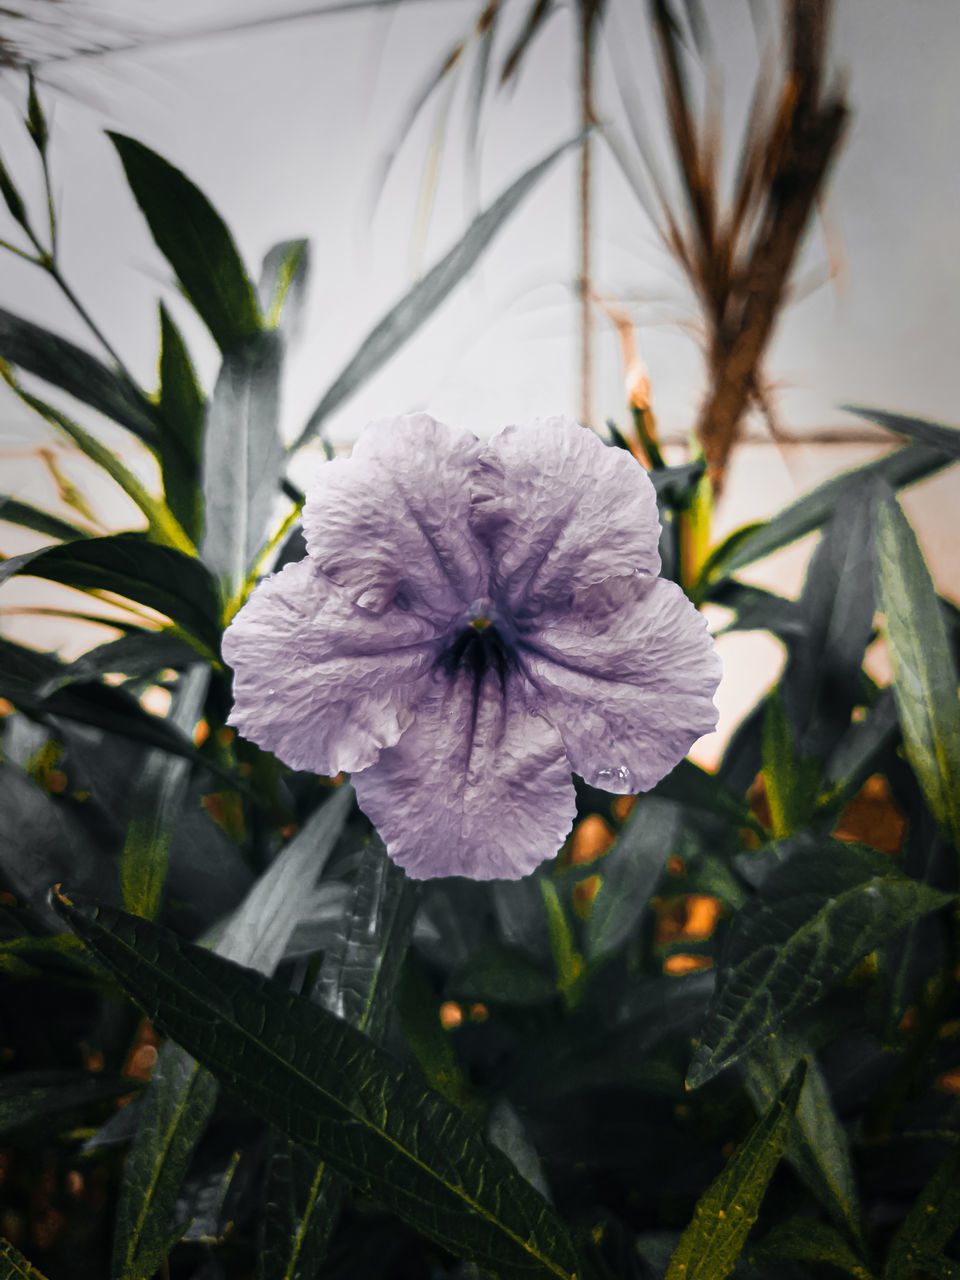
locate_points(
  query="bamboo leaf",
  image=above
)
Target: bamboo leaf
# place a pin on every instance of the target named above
(416, 306)
(181, 406)
(331, 1090)
(30, 517)
(712, 1243)
(924, 674)
(195, 241)
(935, 434)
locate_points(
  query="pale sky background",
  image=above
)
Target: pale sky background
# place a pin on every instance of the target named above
(284, 128)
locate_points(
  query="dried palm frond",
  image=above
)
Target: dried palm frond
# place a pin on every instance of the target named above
(739, 256)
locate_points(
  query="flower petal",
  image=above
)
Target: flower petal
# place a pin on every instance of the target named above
(390, 523)
(560, 511)
(627, 675)
(320, 682)
(477, 786)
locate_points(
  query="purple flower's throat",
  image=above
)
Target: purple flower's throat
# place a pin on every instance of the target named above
(476, 649)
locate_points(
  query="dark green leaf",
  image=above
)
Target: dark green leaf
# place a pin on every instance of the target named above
(181, 406)
(935, 434)
(924, 674)
(696, 788)
(195, 241)
(932, 1220)
(356, 982)
(402, 321)
(814, 918)
(131, 566)
(138, 655)
(44, 1100)
(712, 1243)
(159, 792)
(812, 1242)
(36, 124)
(852, 760)
(242, 457)
(900, 468)
(14, 1266)
(330, 1089)
(418, 1008)
(176, 1108)
(818, 1148)
(283, 285)
(675, 485)
(715, 566)
(630, 872)
(759, 610)
(29, 517)
(11, 197)
(69, 367)
(791, 785)
(821, 682)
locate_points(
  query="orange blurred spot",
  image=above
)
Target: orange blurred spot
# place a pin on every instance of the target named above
(56, 781)
(907, 1022)
(226, 735)
(757, 800)
(873, 818)
(584, 894)
(244, 769)
(676, 865)
(623, 806)
(949, 1082)
(289, 830)
(702, 913)
(75, 1182)
(201, 733)
(451, 1015)
(6, 707)
(143, 1053)
(686, 964)
(591, 838)
(479, 1013)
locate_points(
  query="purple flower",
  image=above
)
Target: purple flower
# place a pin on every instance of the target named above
(473, 620)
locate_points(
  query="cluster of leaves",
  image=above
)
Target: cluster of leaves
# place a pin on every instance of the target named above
(583, 1109)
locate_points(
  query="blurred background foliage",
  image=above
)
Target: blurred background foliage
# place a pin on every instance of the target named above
(718, 1033)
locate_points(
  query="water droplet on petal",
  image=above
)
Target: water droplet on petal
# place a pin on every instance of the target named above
(615, 778)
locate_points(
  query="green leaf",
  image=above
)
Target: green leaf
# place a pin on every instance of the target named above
(181, 406)
(11, 198)
(36, 124)
(64, 365)
(758, 610)
(326, 1086)
(242, 458)
(416, 306)
(818, 1148)
(813, 919)
(696, 788)
(283, 285)
(935, 434)
(195, 241)
(900, 468)
(159, 792)
(14, 1266)
(852, 759)
(501, 974)
(924, 674)
(791, 784)
(928, 1227)
(138, 655)
(131, 566)
(630, 872)
(418, 1009)
(712, 1243)
(821, 682)
(356, 982)
(175, 1110)
(808, 1241)
(57, 1100)
(29, 517)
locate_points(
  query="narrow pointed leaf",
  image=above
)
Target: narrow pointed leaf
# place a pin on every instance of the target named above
(195, 241)
(180, 406)
(68, 367)
(935, 434)
(714, 1240)
(242, 458)
(29, 517)
(924, 674)
(175, 1110)
(131, 566)
(402, 321)
(812, 1242)
(818, 1148)
(331, 1090)
(813, 919)
(696, 788)
(44, 1100)
(900, 468)
(928, 1227)
(136, 655)
(758, 610)
(282, 288)
(630, 872)
(158, 797)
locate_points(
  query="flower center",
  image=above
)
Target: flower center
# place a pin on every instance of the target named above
(475, 649)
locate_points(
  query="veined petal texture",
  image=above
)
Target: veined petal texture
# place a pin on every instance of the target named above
(560, 511)
(477, 786)
(319, 681)
(390, 524)
(627, 675)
